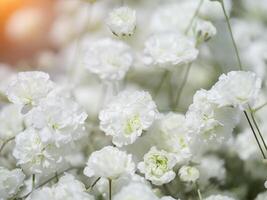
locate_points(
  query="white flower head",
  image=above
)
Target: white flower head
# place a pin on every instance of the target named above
(189, 174)
(28, 88)
(10, 126)
(158, 166)
(109, 59)
(10, 182)
(135, 191)
(204, 30)
(265, 184)
(127, 115)
(237, 88)
(109, 162)
(122, 21)
(169, 49)
(58, 120)
(67, 188)
(218, 197)
(35, 156)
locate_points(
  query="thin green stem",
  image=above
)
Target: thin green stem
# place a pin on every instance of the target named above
(5, 143)
(180, 90)
(254, 133)
(194, 16)
(162, 80)
(231, 34)
(33, 181)
(110, 188)
(93, 184)
(259, 108)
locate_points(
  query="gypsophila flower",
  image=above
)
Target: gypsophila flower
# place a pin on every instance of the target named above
(67, 188)
(35, 156)
(189, 174)
(169, 49)
(158, 166)
(204, 30)
(237, 88)
(219, 197)
(109, 162)
(108, 58)
(28, 88)
(58, 120)
(122, 21)
(10, 182)
(127, 116)
(136, 191)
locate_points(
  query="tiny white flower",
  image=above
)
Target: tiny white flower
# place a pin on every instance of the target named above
(189, 174)
(127, 116)
(218, 197)
(237, 88)
(265, 184)
(10, 182)
(110, 163)
(28, 88)
(135, 191)
(204, 30)
(158, 166)
(169, 49)
(108, 58)
(122, 21)
(58, 120)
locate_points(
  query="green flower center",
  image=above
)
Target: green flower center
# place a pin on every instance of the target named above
(132, 125)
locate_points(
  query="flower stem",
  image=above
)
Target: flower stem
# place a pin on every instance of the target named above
(231, 34)
(198, 192)
(254, 133)
(194, 16)
(93, 184)
(5, 143)
(162, 80)
(33, 181)
(259, 108)
(110, 188)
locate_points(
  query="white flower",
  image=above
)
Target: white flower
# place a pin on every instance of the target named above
(189, 174)
(169, 49)
(265, 184)
(109, 162)
(10, 182)
(28, 88)
(67, 188)
(10, 126)
(237, 88)
(167, 198)
(135, 191)
(122, 21)
(158, 166)
(127, 115)
(109, 59)
(58, 120)
(204, 30)
(218, 197)
(35, 156)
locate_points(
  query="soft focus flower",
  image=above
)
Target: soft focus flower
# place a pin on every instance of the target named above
(237, 88)
(204, 30)
(122, 21)
(169, 49)
(189, 174)
(67, 188)
(135, 191)
(127, 116)
(109, 162)
(10, 182)
(108, 58)
(158, 166)
(218, 197)
(28, 88)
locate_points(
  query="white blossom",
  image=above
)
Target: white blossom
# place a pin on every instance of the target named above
(10, 182)
(169, 49)
(158, 166)
(127, 116)
(237, 88)
(109, 162)
(28, 88)
(189, 174)
(218, 197)
(58, 120)
(136, 191)
(204, 30)
(108, 58)
(122, 21)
